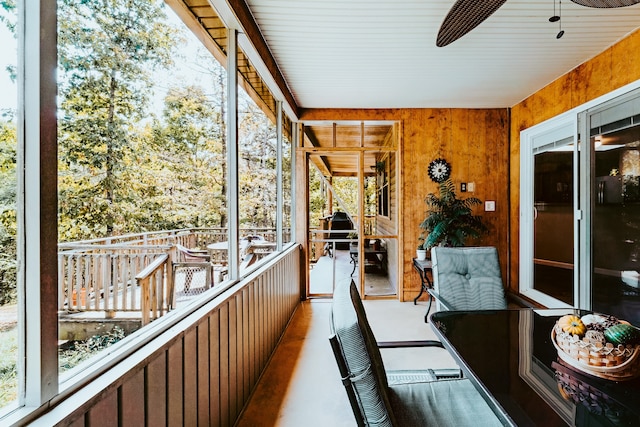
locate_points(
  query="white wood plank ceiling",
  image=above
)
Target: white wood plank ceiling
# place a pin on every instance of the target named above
(382, 53)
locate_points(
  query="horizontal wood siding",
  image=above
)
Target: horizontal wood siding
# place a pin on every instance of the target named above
(476, 144)
(613, 68)
(201, 371)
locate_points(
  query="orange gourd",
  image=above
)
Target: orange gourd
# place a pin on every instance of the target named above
(572, 324)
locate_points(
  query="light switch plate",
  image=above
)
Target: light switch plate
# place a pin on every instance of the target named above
(471, 187)
(490, 205)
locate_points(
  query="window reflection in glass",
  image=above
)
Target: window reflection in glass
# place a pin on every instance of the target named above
(553, 222)
(616, 224)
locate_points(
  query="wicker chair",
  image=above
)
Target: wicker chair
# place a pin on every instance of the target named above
(467, 278)
(396, 398)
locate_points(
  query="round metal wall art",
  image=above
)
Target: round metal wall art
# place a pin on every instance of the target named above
(439, 170)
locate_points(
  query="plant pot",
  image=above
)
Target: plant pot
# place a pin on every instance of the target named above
(421, 254)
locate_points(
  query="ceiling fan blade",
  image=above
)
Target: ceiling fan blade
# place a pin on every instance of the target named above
(606, 4)
(464, 16)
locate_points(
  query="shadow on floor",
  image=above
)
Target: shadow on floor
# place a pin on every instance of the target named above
(301, 385)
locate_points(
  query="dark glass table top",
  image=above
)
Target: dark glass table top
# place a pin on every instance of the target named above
(509, 356)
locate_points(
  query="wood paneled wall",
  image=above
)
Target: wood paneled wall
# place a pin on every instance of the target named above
(474, 141)
(202, 370)
(610, 70)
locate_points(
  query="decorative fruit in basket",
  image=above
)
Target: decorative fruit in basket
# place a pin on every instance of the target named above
(622, 334)
(595, 337)
(572, 324)
(592, 319)
(599, 345)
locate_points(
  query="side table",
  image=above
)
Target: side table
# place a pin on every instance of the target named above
(422, 267)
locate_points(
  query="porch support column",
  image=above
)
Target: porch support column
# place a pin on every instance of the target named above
(279, 178)
(301, 197)
(295, 137)
(232, 153)
(360, 225)
(37, 206)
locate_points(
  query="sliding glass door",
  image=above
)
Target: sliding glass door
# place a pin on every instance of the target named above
(548, 216)
(553, 237)
(580, 209)
(614, 131)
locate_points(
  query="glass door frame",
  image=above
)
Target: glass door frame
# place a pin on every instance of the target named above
(573, 122)
(304, 155)
(546, 133)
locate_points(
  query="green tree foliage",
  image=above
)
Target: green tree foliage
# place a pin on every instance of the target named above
(7, 212)
(317, 198)
(107, 50)
(121, 167)
(191, 159)
(8, 185)
(8, 18)
(257, 167)
(346, 188)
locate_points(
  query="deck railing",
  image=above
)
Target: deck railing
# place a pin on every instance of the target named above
(156, 285)
(103, 279)
(199, 368)
(190, 236)
(130, 273)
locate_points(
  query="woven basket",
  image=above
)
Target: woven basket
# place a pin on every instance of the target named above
(618, 363)
(579, 390)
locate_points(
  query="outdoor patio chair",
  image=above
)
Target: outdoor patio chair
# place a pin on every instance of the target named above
(396, 398)
(194, 269)
(467, 278)
(191, 255)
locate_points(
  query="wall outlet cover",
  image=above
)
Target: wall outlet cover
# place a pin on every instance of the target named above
(489, 205)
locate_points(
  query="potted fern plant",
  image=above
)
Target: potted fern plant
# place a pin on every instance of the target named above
(450, 220)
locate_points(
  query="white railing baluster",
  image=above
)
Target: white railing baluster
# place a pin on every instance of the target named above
(100, 274)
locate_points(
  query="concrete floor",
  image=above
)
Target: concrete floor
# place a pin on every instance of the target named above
(301, 385)
(328, 270)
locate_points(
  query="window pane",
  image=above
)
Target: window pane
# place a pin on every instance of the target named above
(257, 176)
(553, 192)
(142, 170)
(286, 188)
(616, 224)
(8, 186)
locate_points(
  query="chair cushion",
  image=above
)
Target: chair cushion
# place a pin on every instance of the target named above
(468, 278)
(361, 355)
(444, 403)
